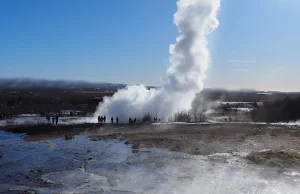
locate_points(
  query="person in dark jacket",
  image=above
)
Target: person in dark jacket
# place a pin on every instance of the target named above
(48, 119)
(56, 118)
(117, 120)
(112, 120)
(130, 120)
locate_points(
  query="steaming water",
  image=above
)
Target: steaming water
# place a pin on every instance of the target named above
(189, 61)
(84, 166)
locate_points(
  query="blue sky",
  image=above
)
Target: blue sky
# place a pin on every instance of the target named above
(127, 41)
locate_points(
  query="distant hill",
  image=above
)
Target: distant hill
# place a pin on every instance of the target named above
(58, 84)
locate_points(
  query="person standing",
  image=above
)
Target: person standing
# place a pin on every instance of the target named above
(53, 120)
(112, 120)
(130, 120)
(117, 120)
(56, 118)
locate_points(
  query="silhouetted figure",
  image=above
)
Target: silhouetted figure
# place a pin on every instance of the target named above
(104, 119)
(99, 119)
(134, 120)
(56, 118)
(112, 120)
(130, 120)
(53, 120)
(230, 119)
(117, 120)
(48, 119)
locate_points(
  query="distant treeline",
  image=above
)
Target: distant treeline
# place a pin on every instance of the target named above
(61, 84)
(277, 111)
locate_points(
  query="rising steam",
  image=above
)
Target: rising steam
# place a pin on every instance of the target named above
(189, 61)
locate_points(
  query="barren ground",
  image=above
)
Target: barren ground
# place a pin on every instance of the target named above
(196, 139)
(207, 139)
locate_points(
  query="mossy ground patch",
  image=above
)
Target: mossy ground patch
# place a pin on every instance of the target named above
(275, 158)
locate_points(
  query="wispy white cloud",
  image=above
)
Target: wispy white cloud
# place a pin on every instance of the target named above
(240, 70)
(241, 61)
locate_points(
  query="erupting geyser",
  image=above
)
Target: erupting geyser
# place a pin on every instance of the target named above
(189, 61)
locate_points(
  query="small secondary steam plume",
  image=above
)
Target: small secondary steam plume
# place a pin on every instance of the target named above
(189, 61)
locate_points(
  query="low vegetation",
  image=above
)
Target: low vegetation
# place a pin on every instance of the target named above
(189, 116)
(286, 110)
(147, 118)
(273, 158)
(69, 136)
(50, 100)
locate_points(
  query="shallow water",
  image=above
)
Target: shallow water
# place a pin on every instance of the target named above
(84, 166)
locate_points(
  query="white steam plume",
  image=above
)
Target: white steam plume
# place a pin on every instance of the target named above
(189, 61)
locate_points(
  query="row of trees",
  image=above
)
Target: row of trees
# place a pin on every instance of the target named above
(182, 116)
(189, 116)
